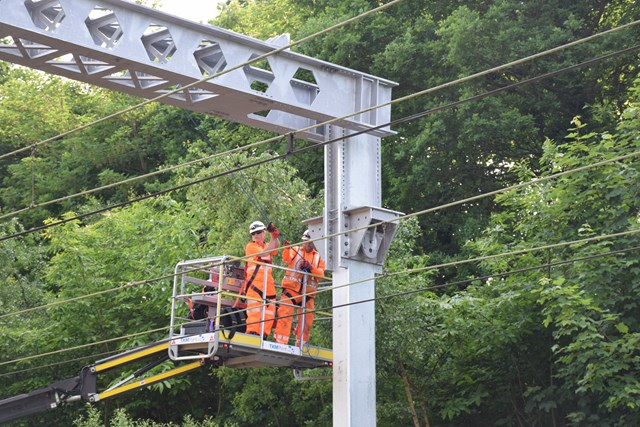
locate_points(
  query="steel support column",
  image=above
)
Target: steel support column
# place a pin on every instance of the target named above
(352, 201)
(354, 350)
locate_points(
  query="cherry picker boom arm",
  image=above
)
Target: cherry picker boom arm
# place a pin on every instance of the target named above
(84, 386)
(191, 344)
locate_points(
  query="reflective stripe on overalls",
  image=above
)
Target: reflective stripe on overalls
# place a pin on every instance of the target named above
(297, 276)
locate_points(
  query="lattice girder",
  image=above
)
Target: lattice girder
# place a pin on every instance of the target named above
(144, 52)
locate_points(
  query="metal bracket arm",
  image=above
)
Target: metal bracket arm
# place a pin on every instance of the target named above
(374, 229)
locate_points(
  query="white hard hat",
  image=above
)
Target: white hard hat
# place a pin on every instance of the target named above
(256, 226)
(306, 235)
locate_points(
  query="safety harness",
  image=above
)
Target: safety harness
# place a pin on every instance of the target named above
(250, 286)
(298, 277)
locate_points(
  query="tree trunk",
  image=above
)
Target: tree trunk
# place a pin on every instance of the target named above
(423, 407)
(407, 389)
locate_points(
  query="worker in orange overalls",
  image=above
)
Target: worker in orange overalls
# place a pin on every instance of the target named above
(301, 261)
(259, 275)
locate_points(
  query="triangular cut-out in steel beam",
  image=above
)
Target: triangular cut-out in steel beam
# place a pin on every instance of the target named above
(66, 62)
(82, 65)
(147, 81)
(122, 78)
(9, 46)
(263, 113)
(191, 95)
(94, 66)
(36, 50)
(138, 80)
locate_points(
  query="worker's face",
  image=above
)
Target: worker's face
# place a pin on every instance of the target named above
(258, 236)
(308, 246)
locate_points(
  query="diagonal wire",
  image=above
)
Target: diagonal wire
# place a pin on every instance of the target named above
(341, 138)
(420, 269)
(328, 122)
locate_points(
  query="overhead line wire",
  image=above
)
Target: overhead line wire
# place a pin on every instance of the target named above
(384, 297)
(428, 210)
(369, 129)
(92, 356)
(487, 257)
(507, 65)
(93, 294)
(425, 268)
(78, 347)
(486, 277)
(207, 78)
(341, 138)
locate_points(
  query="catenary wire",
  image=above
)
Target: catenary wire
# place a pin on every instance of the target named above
(64, 362)
(422, 212)
(420, 269)
(456, 283)
(315, 146)
(425, 211)
(78, 347)
(207, 78)
(384, 297)
(328, 122)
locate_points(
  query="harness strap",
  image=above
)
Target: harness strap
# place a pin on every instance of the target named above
(231, 321)
(258, 291)
(246, 286)
(291, 298)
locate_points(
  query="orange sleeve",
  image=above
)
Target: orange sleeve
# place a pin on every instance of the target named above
(288, 254)
(253, 248)
(319, 271)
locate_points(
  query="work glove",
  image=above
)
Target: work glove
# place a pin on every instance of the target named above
(305, 266)
(273, 231)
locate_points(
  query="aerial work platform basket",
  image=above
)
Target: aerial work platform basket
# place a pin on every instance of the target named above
(215, 284)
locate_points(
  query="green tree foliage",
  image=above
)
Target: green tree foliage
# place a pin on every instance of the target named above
(23, 287)
(34, 107)
(547, 346)
(121, 418)
(262, 19)
(226, 205)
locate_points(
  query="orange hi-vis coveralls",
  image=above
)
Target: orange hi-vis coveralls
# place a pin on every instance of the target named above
(293, 291)
(256, 299)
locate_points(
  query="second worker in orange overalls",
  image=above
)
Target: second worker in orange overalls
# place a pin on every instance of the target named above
(301, 261)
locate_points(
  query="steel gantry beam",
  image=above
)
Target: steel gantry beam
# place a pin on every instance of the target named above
(137, 50)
